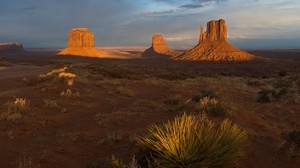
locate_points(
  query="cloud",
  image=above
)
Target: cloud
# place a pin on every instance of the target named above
(29, 8)
(191, 6)
(155, 14)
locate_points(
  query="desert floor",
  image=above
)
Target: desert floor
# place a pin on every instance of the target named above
(70, 121)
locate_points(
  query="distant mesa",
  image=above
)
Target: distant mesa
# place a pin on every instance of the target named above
(213, 46)
(11, 47)
(159, 48)
(81, 43)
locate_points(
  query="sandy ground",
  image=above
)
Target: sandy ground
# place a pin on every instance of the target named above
(112, 101)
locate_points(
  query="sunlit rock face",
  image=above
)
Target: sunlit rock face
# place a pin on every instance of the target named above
(158, 49)
(213, 46)
(81, 43)
(11, 47)
(81, 37)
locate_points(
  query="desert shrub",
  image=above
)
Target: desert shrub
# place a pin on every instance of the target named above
(55, 75)
(192, 141)
(253, 83)
(13, 109)
(25, 161)
(112, 71)
(114, 163)
(279, 93)
(124, 91)
(282, 84)
(173, 100)
(264, 96)
(206, 93)
(293, 137)
(282, 73)
(211, 106)
(50, 103)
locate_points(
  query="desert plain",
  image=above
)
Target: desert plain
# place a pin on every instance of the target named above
(79, 111)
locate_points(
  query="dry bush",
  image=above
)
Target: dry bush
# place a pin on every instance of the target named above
(25, 161)
(69, 93)
(13, 109)
(192, 141)
(58, 74)
(115, 163)
(50, 103)
(124, 91)
(116, 117)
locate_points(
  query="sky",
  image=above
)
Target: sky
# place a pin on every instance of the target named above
(251, 23)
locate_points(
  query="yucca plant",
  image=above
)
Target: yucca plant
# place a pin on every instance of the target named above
(193, 142)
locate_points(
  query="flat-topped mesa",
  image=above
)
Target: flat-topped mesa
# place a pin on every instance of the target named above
(81, 37)
(81, 43)
(216, 31)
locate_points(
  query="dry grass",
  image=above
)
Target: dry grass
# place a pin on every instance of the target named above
(13, 109)
(124, 91)
(69, 93)
(116, 117)
(25, 161)
(50, 103)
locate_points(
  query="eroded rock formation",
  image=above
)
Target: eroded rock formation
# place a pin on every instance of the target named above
(81, 43)
(213, 46)
(158, 48)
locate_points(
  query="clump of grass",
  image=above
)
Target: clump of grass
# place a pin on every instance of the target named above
(264, 96)
(25, 161)
(282, 73)
(211, 106)
(173, 100)
(115, 163)
(124, 91)
(293, 137)
(50, 103)
(13, 109)
(58, 74)
(69, 93)
(253, 83)
(203, 94)
(192, 141)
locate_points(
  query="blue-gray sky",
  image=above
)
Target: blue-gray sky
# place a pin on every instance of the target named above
(251, 23)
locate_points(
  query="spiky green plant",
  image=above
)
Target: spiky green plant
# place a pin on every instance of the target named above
(194, 141)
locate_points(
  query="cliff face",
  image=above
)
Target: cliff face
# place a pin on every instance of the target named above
(216, 31)
(81, 37)
(213, 46)
(81, 43)
(158, 48)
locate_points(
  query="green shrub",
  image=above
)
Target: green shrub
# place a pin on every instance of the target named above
(264, 96)
(280, 92)
(282, 73)
(293, 137)
(191, 142)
